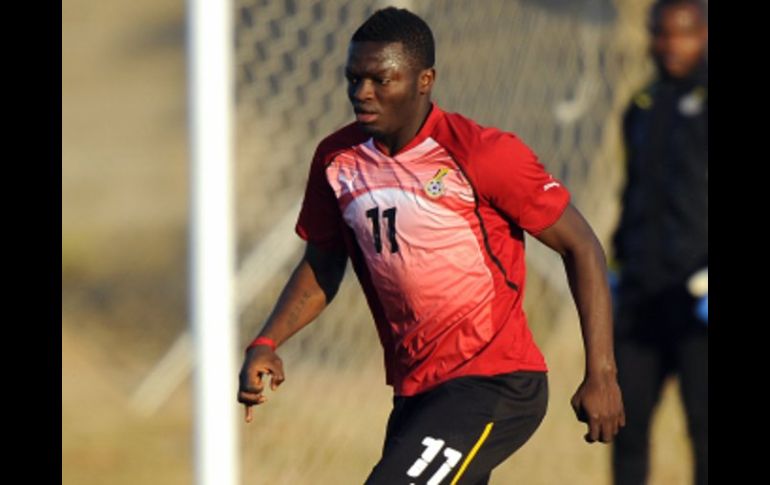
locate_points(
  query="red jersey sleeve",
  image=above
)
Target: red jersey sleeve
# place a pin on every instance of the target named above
(319, 221)
(512, 179)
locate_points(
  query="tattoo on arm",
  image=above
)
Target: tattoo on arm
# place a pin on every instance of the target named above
(296, 309)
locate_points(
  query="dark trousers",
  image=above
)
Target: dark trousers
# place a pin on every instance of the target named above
(656, 337)
(459, 431)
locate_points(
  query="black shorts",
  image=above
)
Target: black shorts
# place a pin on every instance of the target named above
(457, 432)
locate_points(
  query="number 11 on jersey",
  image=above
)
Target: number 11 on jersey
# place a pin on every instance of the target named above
(390, 215)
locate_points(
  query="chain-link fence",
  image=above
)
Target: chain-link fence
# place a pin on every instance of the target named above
(556, 72)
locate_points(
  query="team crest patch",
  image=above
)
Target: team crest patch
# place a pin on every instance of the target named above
(435, 187)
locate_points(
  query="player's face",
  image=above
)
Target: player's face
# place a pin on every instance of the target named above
(679, 39)
(384, 87)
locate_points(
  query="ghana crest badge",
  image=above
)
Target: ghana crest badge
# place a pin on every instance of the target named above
(435, 187)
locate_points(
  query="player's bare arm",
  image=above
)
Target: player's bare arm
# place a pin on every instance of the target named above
(310, 289)
(598, 400)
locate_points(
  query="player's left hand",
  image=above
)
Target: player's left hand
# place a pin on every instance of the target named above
(598, 403)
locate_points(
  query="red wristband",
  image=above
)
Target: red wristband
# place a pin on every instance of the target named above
(262, 341)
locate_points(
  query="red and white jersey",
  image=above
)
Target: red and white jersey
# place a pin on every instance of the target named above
(435, 235)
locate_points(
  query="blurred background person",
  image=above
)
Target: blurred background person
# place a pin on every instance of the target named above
(661, 243)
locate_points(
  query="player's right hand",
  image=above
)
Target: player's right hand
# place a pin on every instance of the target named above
(259, 360)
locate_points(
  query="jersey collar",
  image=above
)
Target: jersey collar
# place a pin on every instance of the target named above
(434, 116)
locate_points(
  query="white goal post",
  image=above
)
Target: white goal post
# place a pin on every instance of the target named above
(210, 101)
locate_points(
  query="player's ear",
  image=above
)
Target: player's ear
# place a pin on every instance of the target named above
(425, 80)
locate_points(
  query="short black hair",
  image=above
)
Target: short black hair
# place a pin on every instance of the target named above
(400, 25)
(659, 5)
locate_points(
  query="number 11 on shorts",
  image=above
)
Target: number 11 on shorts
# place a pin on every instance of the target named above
(432, 447)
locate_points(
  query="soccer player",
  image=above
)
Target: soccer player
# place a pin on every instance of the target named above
(662, 240)
(431, 209)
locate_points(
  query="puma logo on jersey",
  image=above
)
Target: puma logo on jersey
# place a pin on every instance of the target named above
(348, 181)
(435, 187)
(550, 185)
